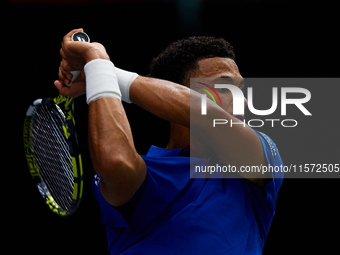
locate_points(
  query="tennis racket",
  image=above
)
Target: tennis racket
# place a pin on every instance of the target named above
(52, 151)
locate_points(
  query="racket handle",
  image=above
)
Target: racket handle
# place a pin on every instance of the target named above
(80, 37)
(75, 75)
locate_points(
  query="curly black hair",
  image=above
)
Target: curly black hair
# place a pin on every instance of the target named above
(180, 58)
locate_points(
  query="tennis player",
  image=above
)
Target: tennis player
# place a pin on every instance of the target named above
(149, 204)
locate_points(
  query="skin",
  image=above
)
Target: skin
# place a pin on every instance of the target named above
(208, 68)
(111, 145)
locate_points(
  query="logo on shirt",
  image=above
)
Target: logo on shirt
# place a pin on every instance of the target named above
(96, 179)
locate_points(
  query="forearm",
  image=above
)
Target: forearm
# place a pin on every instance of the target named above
(173, 102)
(109, 133)
(113, 154)
(164, 99)
(112, 151)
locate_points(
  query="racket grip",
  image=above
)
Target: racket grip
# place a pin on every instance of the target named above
(75, 75)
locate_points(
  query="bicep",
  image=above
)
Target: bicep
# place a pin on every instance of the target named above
(119, 189)
(234, 143)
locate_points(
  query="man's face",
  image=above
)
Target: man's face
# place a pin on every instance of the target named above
(217, 68)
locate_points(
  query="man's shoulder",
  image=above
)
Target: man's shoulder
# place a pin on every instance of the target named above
(267, 141)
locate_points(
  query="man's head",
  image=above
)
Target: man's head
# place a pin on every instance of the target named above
(199, 57)
(182, 59)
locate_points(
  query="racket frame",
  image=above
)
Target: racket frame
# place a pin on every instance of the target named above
(72, 141)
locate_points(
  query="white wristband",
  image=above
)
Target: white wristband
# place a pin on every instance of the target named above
(125, 80)
(101, 80)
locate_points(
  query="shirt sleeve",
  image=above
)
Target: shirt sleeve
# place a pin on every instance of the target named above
(165, 181)
(275, 164)
(264, 203)
(117, 217)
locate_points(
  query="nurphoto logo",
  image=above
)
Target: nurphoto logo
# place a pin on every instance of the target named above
(237, 96)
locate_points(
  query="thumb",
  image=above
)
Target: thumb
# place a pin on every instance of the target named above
(63, 90)
(58, 85)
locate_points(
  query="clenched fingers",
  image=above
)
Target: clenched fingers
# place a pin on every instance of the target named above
(64, 72)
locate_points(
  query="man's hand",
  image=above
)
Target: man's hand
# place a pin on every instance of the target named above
(74, 56)
(77, 88)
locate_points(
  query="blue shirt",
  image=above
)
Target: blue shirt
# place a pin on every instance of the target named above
(172, 213)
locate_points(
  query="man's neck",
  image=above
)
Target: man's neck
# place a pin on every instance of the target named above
(180, 137)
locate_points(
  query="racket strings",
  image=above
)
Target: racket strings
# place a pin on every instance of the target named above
(52, 155)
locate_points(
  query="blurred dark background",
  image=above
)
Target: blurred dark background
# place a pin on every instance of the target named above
(271, 39)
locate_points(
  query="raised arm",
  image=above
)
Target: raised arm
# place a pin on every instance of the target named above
(165, 99)
(113, 153)
(112, 149)
(237, 146)
(111, 145)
